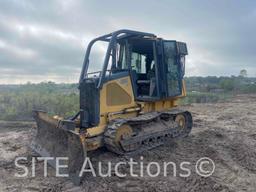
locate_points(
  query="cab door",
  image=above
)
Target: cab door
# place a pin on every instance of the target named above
(172, 69)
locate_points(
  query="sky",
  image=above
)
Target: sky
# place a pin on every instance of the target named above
(46, 40)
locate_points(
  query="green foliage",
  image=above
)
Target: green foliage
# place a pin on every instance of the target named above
(251, 88)
(227, 84)
(18, 103)
(213, 89)
(243, 73)
(238, 84)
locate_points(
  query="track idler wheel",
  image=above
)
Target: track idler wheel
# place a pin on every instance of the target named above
(114, 135)
(184, 121)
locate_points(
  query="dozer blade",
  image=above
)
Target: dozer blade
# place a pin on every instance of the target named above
(52, 140)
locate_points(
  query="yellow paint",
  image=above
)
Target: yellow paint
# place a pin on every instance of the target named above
(126, 85)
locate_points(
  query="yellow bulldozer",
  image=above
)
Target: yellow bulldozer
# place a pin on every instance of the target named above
(129, 106)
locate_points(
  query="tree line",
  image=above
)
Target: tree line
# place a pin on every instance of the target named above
(18, 101)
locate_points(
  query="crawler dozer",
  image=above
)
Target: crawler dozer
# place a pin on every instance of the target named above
(129, 106)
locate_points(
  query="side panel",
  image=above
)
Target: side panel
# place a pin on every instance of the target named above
(115, 96)
(89, 103)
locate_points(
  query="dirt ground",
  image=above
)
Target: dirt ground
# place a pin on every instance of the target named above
(224, 132)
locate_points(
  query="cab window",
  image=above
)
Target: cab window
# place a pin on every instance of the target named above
(172, 68)
(138, 62)
(143, 67)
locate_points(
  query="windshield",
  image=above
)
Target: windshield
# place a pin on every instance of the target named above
(97, 56)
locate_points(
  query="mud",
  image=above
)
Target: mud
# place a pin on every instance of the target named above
(224, 132)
